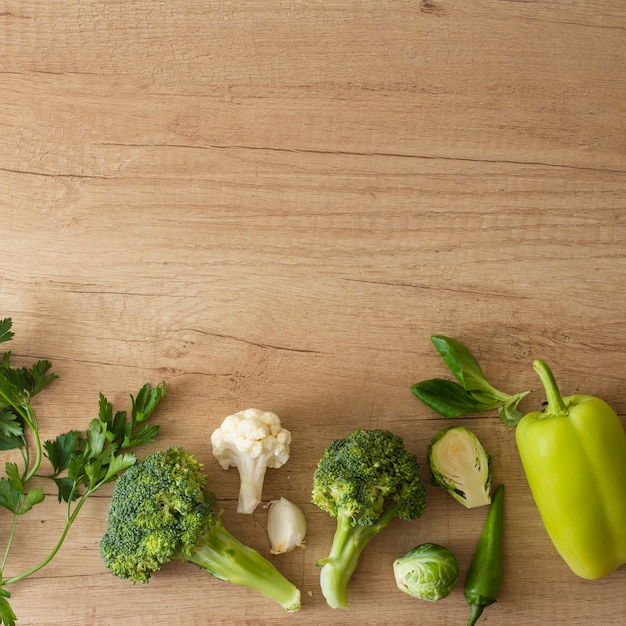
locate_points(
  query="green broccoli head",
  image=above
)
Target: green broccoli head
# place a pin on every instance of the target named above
(360, 476)
(158, 510)
(365, 481)
(161, 510)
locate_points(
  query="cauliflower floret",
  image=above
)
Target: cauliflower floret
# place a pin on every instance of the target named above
(251, 440)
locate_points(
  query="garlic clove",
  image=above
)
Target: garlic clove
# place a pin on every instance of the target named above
(286, 526)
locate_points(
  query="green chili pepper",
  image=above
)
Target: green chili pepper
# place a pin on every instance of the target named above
(484, 577)
(574, 456)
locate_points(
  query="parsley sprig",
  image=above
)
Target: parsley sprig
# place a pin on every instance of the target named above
(80, 463)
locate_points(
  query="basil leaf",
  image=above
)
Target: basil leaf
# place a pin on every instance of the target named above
(473, 394)
(450, 399)
(462, 363)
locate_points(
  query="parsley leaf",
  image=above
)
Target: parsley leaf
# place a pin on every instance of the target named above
(15, 500)
(80, 463)
(96, 458)
(7, 616)
(11, 428)
(59, 451)
(5, 329)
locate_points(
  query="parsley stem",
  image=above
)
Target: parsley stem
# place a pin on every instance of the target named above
(9, 541)
(31, 420)
(24, 450)
(71, 519)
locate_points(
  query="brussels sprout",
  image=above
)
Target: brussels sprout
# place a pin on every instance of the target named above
(427, 572)
(458, 463)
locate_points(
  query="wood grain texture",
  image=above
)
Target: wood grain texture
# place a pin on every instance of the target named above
(275, 204)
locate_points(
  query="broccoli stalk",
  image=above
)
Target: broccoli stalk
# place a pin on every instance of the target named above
(160, 510)
(226, 558)
(365, 481)
(348, 544)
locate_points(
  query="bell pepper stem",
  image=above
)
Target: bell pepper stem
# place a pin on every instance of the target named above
(556, 405)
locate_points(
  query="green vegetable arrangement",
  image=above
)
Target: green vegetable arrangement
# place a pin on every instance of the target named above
(364, 481)
(161, 510)
(80, 464)
(573, 454)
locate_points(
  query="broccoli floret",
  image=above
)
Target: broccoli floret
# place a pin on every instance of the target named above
(161, 510)
(365, 481)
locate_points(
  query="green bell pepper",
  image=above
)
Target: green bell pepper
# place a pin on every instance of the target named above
(574, 456)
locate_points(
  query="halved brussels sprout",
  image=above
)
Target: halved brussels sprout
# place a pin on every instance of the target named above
(428, 572)
(458, 463)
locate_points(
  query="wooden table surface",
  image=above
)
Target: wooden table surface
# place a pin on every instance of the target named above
(276, 204)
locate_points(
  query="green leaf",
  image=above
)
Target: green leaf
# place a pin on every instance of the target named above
(76, 468)
(119, 428)
(94, 472)
(10, 498)
(20, 384)
(33, 497)
(14, 477)
(7, 616)
(96, 438)
(15, 501)
(119, 464)
(14, 383)
(40, 376)
(105, 411)
(5, 361)
(473, 394)
(461, 363)
(66, 489)
(11, 428)
(144, 434)
(146, 402)
(116, 426)
(95, 458)
(60, 451)
(449, 399)
(5, 330)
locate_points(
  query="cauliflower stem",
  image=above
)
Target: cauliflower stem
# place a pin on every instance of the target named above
(252, 476)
